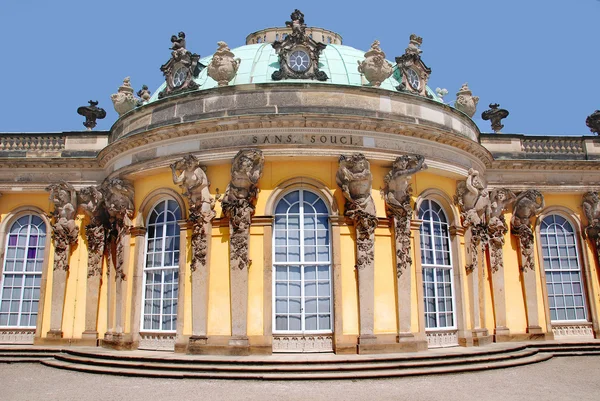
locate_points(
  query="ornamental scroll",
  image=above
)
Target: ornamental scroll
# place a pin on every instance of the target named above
(191, 177)
(238, 203)
(64, 230)
(527, 206)
(355, 179)
(397, 193)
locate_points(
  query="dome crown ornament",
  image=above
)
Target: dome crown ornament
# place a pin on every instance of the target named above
(465, 101)
(374, 67)
(124, 100)
(414, 74)
(298, 53)
(223, 66)
(181, 69)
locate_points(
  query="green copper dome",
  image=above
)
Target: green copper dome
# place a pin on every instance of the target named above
(259, 61)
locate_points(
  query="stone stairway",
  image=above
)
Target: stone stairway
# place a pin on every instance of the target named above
(561, 349)
(26, 354)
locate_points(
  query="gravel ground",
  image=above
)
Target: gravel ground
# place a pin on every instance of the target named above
(574, 378)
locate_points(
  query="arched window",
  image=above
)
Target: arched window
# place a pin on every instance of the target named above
(302, 264)
(563, 272)
(436, 261)
(22, 272)
(161, 272)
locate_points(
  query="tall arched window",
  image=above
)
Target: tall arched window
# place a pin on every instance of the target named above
(302, 264)
(161, 272)
(22, 272)
(436, 261)
(563, 272)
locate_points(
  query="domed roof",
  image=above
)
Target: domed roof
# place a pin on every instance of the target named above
(259, 61)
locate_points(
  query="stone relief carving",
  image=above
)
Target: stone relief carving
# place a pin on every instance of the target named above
(473, 200)
(92, 202)
(397, 193)
(527, 206)
(465, 101)
(355, 179)
(495, 115)
(223, 66)
(123, 100)
(118, 199)
(298, 53)
(181, 69)
(191, 177)
(238, 203)
(375, 68)
(501, 199)
(591, 208)
(414, 74)
(64, 230)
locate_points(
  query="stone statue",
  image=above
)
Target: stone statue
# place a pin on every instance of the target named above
(223, 66)
(472, 197)
(591, 208)
(397, 193)
(355, 179)
(501, 199)
(92, 202)
(91, 114)
(465, 101)
(118, 200)
(375, 68)
(144, 95)
(414, 45)
(123, 100)
(238, 202)
(526, 207)
(296, 23)
(64, 230)
(191, 177)
(178, 42)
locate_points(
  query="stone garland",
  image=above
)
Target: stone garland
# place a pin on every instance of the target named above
(397, 193)
(527, 206)
(64, 230)
(497, 227)
(92, 202)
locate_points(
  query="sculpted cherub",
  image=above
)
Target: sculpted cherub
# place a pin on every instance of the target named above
(178, 42)
(473, 198)
(355, 179)
(297, 22)
(501, 198)
(191, 176)
(397, 189)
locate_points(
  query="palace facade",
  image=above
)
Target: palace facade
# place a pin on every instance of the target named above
(297, 195)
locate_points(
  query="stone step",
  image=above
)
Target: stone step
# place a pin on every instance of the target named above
(35, 359)
(560, 349)
(576, 353)
(305, 375)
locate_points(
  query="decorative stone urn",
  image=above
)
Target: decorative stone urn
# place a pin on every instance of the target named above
(465, 101)
(123, 100)
(223, 66)
(375, 68)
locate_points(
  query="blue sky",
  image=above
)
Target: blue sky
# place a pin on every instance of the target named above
(538, 59)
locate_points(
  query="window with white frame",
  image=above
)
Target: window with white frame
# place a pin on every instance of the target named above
(563, 272)
(302, 264)
(22, 272)
(436, 262)
(161, 272)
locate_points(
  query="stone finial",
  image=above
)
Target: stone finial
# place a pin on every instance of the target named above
(414, 45)
(441, 92)
(144, 95)
(465, 101)
(495, 115)
(593, 122)
(123, 100)
(91, 114)
(375, 68)
(223, 66)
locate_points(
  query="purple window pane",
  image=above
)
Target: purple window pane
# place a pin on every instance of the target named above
(12, 240)
(31, 252)
(33, 240)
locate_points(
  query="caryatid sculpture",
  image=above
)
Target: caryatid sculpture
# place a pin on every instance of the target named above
(473, 199)
(64, 230)
(191, 177)
(397, 193)
(92, 202)
(238, 202)
(355, 179)
(526, 207)
(118, 200)
(591, 208)
(501, 199)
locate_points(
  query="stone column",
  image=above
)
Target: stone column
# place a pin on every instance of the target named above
(181, 343)
(95, 238)
(238, 207)
(137, 277)
(336, 274)
(65, 233)
(122, 269)
(528, 205)
(355, 179)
